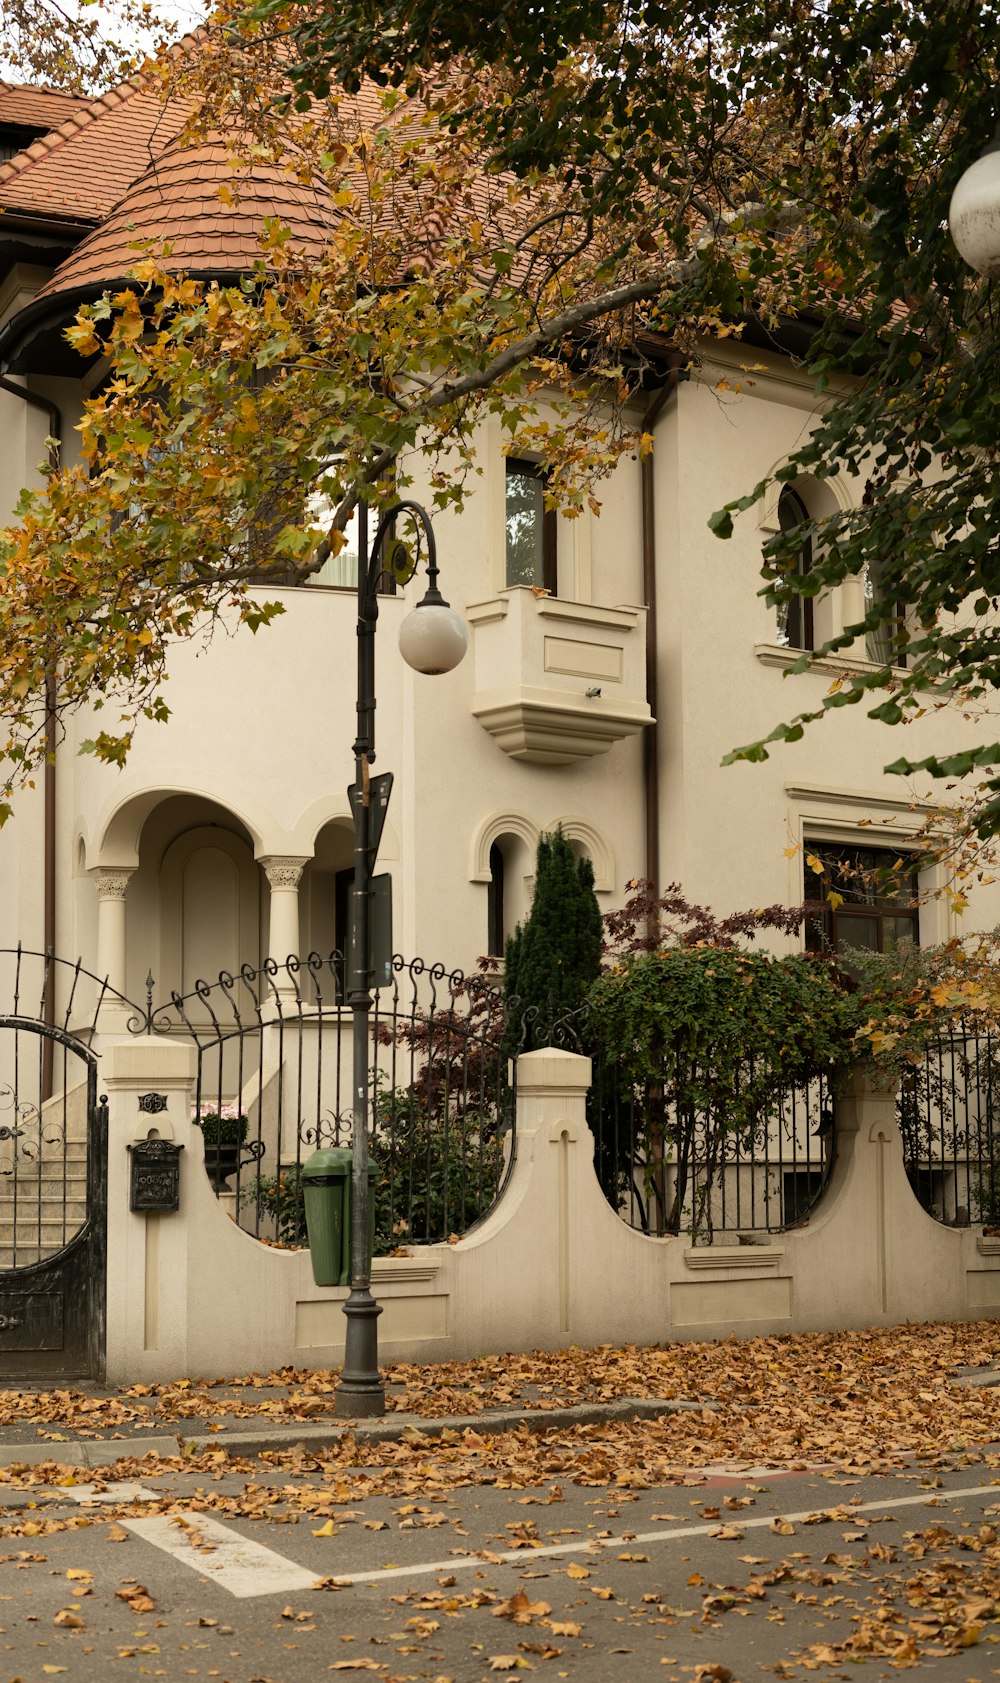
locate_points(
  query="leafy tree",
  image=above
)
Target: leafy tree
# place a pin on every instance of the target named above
(673, 171)
(706, 1042)
(82, 49)
(551, 959)
(853, 121)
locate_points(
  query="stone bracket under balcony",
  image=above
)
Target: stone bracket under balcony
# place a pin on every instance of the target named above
(537, 658)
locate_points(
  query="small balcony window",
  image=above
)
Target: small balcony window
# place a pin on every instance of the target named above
(530, 526)
(795, 618)
(887, 643)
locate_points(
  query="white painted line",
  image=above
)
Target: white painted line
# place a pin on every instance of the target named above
(596, 1546)
(231, 1560)
(115, 1492)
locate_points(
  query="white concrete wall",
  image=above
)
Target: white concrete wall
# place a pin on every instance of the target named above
(725, 830)
(551, 1266)
(262, 726)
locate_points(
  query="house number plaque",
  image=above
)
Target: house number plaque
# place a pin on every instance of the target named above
(155, 1175)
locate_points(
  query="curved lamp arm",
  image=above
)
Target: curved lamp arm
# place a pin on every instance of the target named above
(368, 597)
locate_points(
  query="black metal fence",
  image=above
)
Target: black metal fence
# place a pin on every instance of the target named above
(670, 1168)
(274, 1085)
(950, 1123)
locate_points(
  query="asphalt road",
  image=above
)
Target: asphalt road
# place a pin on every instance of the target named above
(211, 1576)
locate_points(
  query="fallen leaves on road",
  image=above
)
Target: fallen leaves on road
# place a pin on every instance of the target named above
(520, 1610)
(137, 1596)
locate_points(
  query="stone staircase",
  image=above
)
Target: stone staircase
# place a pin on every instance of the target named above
(43, 1190)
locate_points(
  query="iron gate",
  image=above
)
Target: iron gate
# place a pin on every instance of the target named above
(53, 1204)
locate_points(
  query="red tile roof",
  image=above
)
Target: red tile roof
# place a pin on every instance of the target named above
(37, 108)
(80, 170)
(178, 200)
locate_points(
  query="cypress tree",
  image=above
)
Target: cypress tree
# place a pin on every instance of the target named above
(553, 958)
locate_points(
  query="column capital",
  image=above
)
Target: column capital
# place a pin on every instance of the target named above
(281, 870)
(112, 880)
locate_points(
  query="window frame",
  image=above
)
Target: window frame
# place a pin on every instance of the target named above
(802, 607)
(890, 629)
(521, 466)
(824, 929)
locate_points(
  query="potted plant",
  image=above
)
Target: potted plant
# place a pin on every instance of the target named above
(224, 1131)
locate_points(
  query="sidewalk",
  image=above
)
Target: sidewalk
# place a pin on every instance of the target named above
(29, 1442)
(886, 1391)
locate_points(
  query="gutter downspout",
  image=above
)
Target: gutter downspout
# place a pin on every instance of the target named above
(650, 736)
(48, 777)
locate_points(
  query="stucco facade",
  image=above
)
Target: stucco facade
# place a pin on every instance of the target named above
(225, 836)
(183, 862)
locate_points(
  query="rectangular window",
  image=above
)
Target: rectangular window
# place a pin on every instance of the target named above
(869, 897)
(530, 527)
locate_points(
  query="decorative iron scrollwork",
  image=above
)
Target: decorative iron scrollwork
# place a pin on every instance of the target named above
(8, 1323)
(29, 1127)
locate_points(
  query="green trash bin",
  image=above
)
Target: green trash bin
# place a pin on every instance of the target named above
(326, 1188)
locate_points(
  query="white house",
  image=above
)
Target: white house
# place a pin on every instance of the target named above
(613, 662)
(605, 704)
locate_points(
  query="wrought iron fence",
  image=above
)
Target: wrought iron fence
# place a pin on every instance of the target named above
(274, 1082)
(274, 1085)
(711, 1170)
(670, 1168)
(948, 1118)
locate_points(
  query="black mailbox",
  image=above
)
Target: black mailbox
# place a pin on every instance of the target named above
(156, 1175)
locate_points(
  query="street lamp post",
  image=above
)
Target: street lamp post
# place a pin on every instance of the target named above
(432, 639)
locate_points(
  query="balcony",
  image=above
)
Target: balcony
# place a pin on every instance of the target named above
(556, 681)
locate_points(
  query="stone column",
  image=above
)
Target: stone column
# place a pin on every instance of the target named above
(112, 886)
(283, 877)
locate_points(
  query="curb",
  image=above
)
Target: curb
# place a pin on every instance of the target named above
(104, 1452)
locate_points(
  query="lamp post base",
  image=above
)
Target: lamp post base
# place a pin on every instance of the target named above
(360, 1391)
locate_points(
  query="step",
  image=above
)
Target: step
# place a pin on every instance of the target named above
(30, 1193)
(47, 1170)
(52, 1158)
(33, 1226)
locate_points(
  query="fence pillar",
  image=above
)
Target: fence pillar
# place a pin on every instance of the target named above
(531, 1281)
(150, 1086)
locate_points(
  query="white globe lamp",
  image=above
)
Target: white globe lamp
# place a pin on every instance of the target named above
(974, 213)
(433, 638)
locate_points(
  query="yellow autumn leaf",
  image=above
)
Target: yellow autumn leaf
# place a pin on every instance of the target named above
(327, 1530)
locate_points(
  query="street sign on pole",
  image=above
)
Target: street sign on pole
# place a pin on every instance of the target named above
(379, 790)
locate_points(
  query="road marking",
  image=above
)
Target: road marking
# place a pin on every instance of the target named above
(246, 1568)
(230, 1560)
(597, 1546)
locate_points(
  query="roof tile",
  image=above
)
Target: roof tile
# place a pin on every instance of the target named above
(177, 202)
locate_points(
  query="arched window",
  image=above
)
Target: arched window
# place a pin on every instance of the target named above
(887, 643)
(495, 933)
(795, 618)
